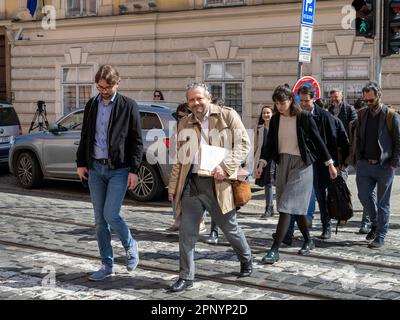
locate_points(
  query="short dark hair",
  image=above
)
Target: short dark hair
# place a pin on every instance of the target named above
(107, 73)
(372, 86)
(322, 103)
(183, 107)
(305, 89)
(359, 103)
(283, 93)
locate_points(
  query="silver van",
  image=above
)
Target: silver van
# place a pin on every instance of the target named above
(9, 128)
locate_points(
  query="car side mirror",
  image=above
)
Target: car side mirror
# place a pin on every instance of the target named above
(56, 128)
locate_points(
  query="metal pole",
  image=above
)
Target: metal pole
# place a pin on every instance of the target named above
(377, 43)
(299, 70)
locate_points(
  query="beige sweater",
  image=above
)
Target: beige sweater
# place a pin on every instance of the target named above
(287, 136)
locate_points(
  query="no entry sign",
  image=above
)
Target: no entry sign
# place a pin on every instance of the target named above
(308, 81)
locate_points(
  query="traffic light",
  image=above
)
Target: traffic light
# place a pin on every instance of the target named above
(365, 18)
(391, 28)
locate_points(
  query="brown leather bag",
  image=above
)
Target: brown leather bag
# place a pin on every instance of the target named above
(241, 192)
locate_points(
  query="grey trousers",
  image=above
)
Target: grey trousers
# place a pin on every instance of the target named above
(199, 195)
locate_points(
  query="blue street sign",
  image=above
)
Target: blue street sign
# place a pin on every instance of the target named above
(307, 14)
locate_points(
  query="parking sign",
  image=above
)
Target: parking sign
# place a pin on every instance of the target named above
(307, 15)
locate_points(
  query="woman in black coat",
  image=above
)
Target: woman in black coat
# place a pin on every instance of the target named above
(293, 144)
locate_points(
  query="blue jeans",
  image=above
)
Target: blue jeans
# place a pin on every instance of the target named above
(310, 216)
(368, 177)
(107, 190)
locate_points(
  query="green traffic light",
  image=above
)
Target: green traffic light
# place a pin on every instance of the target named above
(363, 27)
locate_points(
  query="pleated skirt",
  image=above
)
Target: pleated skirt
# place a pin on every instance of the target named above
(294, 183)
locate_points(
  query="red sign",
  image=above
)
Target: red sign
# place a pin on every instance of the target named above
(308, 81)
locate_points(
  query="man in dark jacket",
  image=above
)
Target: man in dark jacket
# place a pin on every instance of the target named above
(108, 157)
(378, 155)
(345, 112)
(335, 138)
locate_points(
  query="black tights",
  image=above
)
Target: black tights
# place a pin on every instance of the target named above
(283, 226)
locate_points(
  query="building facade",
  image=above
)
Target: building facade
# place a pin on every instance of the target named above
(242, 48)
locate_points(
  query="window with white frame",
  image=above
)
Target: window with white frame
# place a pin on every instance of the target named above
(77, 87)
(225, 80)
(348, 75)
(220, 3)
(79, 8)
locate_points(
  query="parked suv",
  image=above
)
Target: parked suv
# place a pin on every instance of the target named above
(52, 154)
(9, 128)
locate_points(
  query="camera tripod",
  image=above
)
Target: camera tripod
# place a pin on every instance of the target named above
(40, 116)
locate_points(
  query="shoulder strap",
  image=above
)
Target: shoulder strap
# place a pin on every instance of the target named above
(361, 113)
(389, 118)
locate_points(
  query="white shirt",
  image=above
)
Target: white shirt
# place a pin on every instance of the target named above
(204, 131)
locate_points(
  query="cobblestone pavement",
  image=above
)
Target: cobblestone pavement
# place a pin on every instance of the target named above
(48, 248)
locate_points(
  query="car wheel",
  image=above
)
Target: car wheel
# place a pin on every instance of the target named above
(28, 171)
(150, 185)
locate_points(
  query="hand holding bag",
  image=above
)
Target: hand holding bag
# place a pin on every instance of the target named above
(241, 191)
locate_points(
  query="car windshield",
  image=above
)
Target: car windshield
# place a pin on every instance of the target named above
(72, 121)
(8, 117)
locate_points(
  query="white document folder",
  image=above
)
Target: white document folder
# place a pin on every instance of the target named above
(210, 158)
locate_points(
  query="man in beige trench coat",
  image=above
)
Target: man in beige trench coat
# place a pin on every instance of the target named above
(193, 193)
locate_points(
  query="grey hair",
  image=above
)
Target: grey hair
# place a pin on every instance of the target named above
(194, 85)
(334, 90)
(372, 86)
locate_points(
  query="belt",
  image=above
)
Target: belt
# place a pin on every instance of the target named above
(373, 162)
(101, 161)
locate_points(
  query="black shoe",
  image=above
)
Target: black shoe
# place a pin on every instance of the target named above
(364, 229)
(246, 268)
(372, 234)
(271, 257)
(264, 216)
(376, 244)
(181, 285)
(307, 247)
(269, 212)
(212, 238)
(287, 240)
(326, 234)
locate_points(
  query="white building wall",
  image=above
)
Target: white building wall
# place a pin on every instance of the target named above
(167, 50)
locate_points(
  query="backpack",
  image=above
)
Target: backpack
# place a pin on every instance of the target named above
(339, 204)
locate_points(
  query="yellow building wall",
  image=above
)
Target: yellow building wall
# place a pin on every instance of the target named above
(11, 7)
(169, 5)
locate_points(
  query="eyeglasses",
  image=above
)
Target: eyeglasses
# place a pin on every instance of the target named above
(100, 88)
(157, 96)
